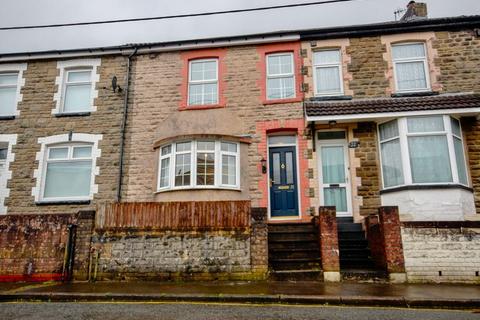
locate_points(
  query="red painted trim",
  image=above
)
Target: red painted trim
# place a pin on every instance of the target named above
(263, 51)
(38, 277)
(215, 53)
(264, 128)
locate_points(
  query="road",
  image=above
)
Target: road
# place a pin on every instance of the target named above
(196, 311)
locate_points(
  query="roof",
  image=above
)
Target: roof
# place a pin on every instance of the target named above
(436, 24)
(388, 106)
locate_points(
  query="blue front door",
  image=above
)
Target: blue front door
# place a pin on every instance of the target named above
(283, 182)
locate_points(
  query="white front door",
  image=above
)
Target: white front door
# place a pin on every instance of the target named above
(334, 174)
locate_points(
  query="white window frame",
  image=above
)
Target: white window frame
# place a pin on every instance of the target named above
(212, 81)
(193, 166)
(10, 140)
(62, 140)
(65, 67)
(18, 69)
(280, 75)
(407, 60)
(67, 84)
(317, 65)
(69, 158)
(405, 155)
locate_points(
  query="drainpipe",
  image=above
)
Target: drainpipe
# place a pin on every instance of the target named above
(124, 125)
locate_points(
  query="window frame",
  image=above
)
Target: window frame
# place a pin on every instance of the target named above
(328, 65)
(46, 161)
(408, 60)
(190, 81)
(66, 83)
(403, 136)
(280, 75)
(218, 153)
(14, 85)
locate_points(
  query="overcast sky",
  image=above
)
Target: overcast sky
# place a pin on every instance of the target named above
(33, 12)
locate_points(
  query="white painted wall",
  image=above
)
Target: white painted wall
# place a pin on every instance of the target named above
(454, 252)
(431, 205)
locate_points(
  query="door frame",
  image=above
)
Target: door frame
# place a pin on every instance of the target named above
(297, 158)
(348, 183)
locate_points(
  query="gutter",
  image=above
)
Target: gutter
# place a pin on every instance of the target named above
(124, 125)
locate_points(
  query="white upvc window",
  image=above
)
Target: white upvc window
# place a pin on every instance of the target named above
(67, 172)
(77, 92)
(410, 67)
(199, 164)
(422, 150)
(8, 93)
(203, 82)
(280, 76)
(327, 72)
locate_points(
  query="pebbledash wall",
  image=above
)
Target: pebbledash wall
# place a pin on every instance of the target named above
(37, 121)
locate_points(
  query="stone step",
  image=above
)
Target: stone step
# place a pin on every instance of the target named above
(364, 275)
(346, 227)
(285, 237)
(296, 275)
(295, 264)
(351, 235)
(294, 254)
(291, 228)
(355, 253)
(294, 245)
(352, 243)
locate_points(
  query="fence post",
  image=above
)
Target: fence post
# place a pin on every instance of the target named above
(328, 237)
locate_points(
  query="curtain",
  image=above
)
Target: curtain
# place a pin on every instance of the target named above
(8, 101)
(411, 75)
(68, 179)
(429, 159)
(229, 169)
(392, 163)
(425, 124)
(327, 57)
(336, 197)
(389, 130)
(406, 51)
(280, 88)
(333, 165)
(328, 79)
(460, 159)
(77, 97)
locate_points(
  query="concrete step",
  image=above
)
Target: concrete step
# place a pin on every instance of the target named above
(351, 235)
(296, 275)
(285, 237)
(293, 254)
(364, 275)
(295, 264)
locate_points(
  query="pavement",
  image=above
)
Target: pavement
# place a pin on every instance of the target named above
(447, 296)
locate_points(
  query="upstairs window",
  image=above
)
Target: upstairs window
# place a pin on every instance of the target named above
(328, 72)
(280, 76)
(203, 82)
(68, 172)
(78, 90)
(199, 164)
(8, 93)
(410, 67)
(422, 150)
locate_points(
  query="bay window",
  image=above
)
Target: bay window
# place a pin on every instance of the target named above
(199, 164)
(410, 67)
(422, 150)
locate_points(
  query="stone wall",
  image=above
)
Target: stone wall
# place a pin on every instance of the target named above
(36, 120)
(442, 253)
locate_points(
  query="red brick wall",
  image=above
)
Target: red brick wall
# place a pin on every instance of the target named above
(327, 222)
(32, 247)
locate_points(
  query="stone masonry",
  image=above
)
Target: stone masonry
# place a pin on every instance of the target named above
(36, 121)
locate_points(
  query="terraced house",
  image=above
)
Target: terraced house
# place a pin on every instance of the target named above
(346, 152)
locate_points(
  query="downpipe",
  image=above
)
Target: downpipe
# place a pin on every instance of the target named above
(69, 254)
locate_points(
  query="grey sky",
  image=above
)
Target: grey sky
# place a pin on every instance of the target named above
(30, 12)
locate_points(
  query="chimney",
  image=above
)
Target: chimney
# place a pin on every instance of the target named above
(415, 11)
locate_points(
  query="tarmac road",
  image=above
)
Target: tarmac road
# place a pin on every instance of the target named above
(212, 311)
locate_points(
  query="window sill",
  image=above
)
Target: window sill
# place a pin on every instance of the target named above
(200, 189)
(282, 101)
(329, 98)
(202, 107)
(61, 202)
(426, 187)
(7, 117)
(72, 114)
(425, 93)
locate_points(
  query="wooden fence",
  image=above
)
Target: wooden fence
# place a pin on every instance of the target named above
(201, 215)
